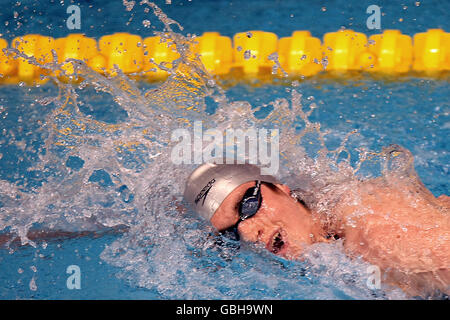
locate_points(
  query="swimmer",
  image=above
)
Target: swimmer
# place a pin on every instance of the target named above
(405, 231)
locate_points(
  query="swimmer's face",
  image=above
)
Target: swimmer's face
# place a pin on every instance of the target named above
(282, 224)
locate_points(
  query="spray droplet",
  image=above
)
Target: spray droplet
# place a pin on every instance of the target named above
(33, 286)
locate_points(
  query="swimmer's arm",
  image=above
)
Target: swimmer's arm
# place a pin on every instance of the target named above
(41, 235)
(401, 230)
(7, 239)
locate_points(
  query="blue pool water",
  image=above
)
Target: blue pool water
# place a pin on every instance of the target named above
(47, 17)
(411, 112)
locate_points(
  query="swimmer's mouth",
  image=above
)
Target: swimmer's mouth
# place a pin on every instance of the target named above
(277, 243)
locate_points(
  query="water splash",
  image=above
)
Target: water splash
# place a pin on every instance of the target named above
(125, 178)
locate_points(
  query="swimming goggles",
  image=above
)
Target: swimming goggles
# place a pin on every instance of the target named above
(248, 207)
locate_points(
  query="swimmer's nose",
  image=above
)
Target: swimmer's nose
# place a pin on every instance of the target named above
(252, 229)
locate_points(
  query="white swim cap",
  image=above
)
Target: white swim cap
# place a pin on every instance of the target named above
(211, 183)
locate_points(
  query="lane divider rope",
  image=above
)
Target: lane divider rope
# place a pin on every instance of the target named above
(248, 54)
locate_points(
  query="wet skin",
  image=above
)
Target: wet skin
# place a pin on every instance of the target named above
(402, 230)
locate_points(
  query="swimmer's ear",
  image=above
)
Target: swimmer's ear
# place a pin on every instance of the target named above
(284, 188)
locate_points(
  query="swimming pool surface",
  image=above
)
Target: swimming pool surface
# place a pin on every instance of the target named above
(409, 111)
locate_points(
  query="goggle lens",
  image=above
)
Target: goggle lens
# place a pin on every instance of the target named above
(248, 207)
(251, 202)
